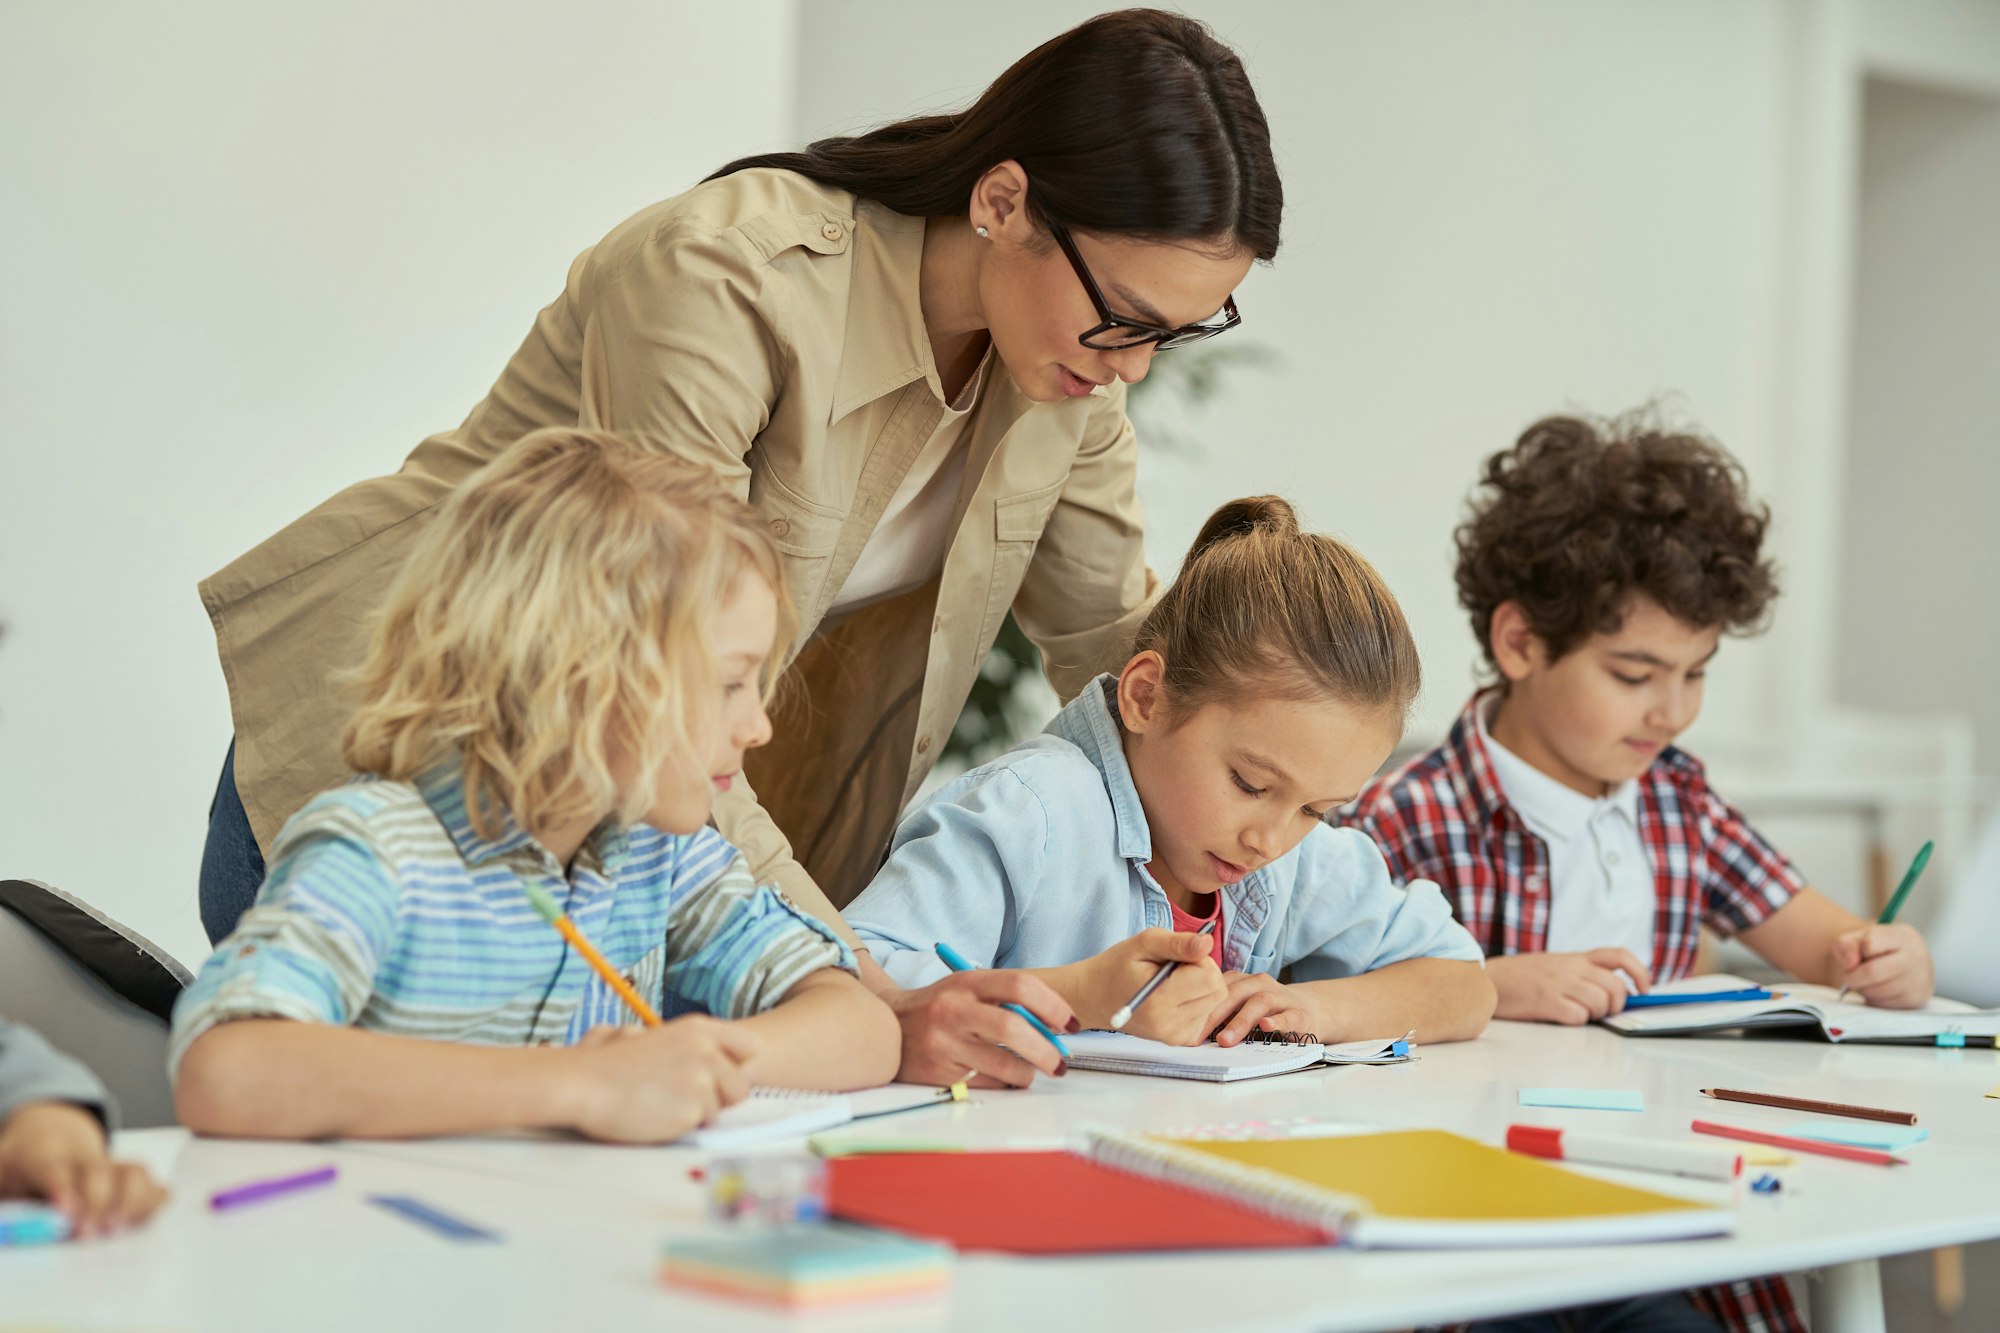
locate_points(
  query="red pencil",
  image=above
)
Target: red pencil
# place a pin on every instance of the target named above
(1842, 1150)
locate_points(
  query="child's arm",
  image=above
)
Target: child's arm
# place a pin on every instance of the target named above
(1816, 940)
(277, 1078)
(1443, 999)
(744, 951)
(1369, 957)
(828, 1032)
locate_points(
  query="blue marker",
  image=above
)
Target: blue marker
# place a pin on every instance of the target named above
(1653, 1000)
(957, 963)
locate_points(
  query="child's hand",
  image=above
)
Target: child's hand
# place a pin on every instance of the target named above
(1178, 1012)
(1889, 966)
(56, 1151)
(1255, 1000)
(661, 1083)
(1571, 988)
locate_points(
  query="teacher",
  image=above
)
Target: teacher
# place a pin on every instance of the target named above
(908, 349)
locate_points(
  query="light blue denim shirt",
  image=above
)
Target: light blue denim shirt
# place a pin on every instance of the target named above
(1039, 858)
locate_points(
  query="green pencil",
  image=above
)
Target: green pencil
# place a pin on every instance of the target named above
(1895, 903)
(1923, 859)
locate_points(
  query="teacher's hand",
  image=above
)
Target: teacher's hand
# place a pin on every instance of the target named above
(956, 1027)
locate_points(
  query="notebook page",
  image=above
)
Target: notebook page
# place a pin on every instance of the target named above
(768, 1114)
(1797, 1001)
(1121, 1053)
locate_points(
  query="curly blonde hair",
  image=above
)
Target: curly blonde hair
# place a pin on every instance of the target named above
(560, 605)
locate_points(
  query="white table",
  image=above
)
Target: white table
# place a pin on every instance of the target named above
(582, 1224)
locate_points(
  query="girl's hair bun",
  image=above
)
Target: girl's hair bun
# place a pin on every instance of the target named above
(1245, 518)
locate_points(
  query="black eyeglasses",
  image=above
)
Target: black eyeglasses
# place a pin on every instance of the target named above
(1119, 331)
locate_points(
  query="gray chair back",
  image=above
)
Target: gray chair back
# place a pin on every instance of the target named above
(96, 990)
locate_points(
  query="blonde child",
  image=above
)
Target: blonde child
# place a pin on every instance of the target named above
(1267, 685)
(569, 668)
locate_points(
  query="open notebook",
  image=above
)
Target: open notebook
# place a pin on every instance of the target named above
(769, 1114)
(1813, 1010)
(1121, 1053)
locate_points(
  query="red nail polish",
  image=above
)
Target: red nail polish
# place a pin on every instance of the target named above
(1075, 1024)
(1062, 1067)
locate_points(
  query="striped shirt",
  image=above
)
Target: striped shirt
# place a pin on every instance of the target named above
(384, 909)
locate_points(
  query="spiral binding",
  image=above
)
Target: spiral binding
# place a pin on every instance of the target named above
(1282, 1038)
(1263, 1191)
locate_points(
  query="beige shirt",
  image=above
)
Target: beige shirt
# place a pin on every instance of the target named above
(769, 327)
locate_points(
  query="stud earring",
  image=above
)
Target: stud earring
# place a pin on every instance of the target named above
(980, 232)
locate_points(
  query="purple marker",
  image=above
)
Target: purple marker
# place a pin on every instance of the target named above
(238, 1195)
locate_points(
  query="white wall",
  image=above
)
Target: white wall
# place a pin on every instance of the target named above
(1492, 212)
(1922, 623)
(252, 253)
(1502, 210)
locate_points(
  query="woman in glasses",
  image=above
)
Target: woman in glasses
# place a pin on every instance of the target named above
(908, 349)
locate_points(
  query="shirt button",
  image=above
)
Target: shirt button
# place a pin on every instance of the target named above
(1611, 858)
(831, 231)
(923, 744)
(779, 527)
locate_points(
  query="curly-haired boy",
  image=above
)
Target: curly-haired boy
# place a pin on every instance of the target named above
(1601, 564)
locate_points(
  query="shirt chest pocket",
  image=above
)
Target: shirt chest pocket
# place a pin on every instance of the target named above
(1018, 523)
(805, 533)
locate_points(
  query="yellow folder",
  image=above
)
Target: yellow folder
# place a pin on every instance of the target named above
(1420, 1188)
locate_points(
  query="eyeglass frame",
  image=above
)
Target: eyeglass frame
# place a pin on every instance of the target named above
(1161, 336)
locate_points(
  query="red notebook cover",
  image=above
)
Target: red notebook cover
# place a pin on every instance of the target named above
(1043, 1203)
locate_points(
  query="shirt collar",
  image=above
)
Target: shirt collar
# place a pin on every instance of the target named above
(1554, 809)
(443, 789)
(1089, 724)
(1466, 755)
(886, 344)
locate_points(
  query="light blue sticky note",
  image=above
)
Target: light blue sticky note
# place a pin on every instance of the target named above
(1889, 1138)
(1584, 1099)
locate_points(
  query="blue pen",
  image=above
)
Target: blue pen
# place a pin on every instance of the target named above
(1651, 1001)
(956, 962)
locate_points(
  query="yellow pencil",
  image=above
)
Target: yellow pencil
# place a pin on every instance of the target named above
(553, 914)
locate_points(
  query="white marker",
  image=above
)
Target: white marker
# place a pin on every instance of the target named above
(1678, 1159)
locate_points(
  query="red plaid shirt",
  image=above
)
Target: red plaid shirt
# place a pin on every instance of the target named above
(1444, 817)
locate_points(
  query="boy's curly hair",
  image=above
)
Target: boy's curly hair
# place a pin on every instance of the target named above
(1582, 514)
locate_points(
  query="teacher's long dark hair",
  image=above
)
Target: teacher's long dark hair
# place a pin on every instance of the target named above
(1138, 122)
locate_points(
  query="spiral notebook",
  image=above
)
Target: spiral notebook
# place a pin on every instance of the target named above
(1123, 1192)
(1812, 1010)
(768, 1114)
(1413, 1189)
(1261, 1055)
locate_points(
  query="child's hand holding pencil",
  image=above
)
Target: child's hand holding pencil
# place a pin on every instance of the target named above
(1888, 966)
(659, 1083)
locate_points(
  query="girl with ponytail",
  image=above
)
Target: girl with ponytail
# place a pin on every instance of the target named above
(897, 347)
(1177, 811)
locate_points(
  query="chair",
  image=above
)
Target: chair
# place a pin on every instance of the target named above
(95, 989)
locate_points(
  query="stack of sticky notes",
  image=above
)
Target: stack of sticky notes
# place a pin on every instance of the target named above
(808, 1267)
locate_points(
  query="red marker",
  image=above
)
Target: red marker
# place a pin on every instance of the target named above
(1678, 1159)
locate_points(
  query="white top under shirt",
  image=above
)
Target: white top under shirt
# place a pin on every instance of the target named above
(907, 547)
(1601, 892)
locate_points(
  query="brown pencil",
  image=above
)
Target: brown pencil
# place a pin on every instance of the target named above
(1807, 1104)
